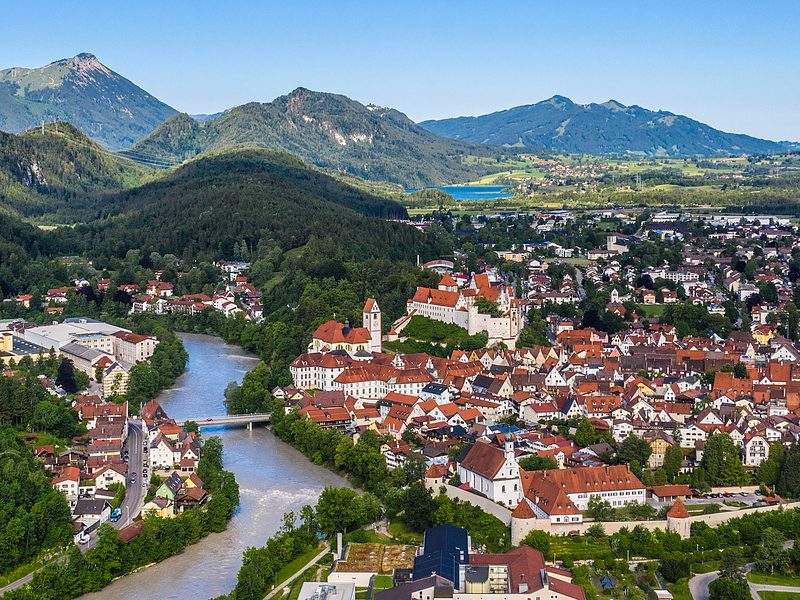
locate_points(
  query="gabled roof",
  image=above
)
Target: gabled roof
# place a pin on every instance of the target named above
(484, 460)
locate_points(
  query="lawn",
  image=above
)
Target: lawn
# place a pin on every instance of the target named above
(679, 591)
(399, 531)
(580, 547)
(652, 310)
(297, 563)
(767, 579)
(772, 595)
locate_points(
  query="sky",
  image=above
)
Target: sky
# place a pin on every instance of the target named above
(732, 65)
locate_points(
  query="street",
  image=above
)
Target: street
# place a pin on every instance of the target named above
(134, 492)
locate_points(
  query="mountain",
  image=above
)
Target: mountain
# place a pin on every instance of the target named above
(327, 130)
(607, 128)
(218, 200)
(55, 170)
(81, 90)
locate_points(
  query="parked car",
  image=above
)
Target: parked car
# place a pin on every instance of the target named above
(84, 538)
(133, 479)
(115, 515)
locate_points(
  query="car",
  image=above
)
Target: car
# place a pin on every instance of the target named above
(209, 419)
(166, 468)
(133, 474)
(84, 538)
(145, 450)
(126, 451)
(115, 515)
(133, 479)
(758, 492)
(144, 484)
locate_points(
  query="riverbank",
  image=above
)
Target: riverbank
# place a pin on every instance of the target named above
(273, 478)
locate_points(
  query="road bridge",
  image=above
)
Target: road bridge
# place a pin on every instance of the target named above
(230, 420)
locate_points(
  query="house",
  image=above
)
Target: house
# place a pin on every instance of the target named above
(492, 471)
(89, 511)
(68, 481)
(160, 506)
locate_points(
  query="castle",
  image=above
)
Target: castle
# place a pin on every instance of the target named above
(450, 304)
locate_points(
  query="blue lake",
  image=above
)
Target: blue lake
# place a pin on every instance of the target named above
(473, 192)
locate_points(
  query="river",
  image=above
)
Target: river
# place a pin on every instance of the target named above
(273, 478)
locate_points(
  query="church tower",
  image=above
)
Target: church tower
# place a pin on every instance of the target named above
(372, 323)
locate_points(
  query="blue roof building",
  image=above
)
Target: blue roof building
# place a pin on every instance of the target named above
(445, 552)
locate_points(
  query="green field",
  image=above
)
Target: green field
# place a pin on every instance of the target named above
(766, 579)
(651, 310)
(772, 595)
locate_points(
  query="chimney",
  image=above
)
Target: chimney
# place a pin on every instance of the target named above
(607, 470)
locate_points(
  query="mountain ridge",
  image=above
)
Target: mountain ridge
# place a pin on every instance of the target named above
(103, 104)
(329, 130)
(610, 127)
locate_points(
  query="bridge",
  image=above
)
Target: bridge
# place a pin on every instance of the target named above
(230, 420)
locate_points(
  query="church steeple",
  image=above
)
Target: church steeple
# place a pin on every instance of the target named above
(372, 322)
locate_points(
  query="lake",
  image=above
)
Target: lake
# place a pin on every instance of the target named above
(473, 192)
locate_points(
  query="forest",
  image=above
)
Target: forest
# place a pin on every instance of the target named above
(34, 517)
(160, 538)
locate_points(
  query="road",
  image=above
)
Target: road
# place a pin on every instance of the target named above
(131, 506)
(698, 585)
(579, 281)
(134, 492)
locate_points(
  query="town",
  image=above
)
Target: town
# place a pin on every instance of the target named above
(648, 381)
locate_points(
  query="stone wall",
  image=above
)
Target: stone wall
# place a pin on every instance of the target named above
(501, 512)
(521, 527)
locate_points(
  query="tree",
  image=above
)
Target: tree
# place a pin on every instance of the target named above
(66, 376)
(727, 589)
(732, 565)
(586, 435)
(789, 481)
(673, 460)
(420, 507)
(415, 467)
(771, 555)
(634, 448)
(538, 540)
(338, 510)
(740, 371)
(660, 476)
(721, 461)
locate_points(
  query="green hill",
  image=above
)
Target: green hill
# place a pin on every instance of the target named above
(608, 128)
(51, 175)
(330, 131)
(214, 202)
(81, 90)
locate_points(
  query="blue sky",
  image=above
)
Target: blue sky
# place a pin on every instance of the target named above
(733, 65)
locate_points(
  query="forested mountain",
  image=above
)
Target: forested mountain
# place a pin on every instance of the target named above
(214, 202)
(610, 127)
(48, 172)
(327, 130)
(261, 200)
(81, 90)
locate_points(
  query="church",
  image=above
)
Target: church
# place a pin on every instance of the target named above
(332, 335)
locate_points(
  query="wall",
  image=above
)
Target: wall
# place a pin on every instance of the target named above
(487, 505)
(521, 527)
